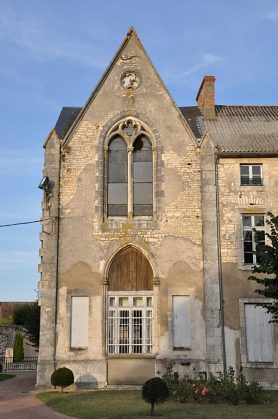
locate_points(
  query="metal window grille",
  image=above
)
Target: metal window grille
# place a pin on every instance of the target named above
(130, 324)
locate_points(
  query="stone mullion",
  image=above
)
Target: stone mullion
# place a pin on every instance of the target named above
(105, 183)
(154, 157)
(129, 183)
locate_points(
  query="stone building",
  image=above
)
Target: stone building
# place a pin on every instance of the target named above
(147, 239)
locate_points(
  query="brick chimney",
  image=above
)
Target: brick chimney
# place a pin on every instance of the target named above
(205, 97)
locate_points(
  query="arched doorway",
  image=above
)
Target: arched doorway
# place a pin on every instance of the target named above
(130, 318)
(130, 270)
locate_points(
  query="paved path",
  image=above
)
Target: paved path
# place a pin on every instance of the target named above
(18, 402)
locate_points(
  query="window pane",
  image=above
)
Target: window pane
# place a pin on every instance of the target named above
(117, 144)
(142, 210)
(248, 257)
(137, 331)
(142, 171)
(117, 193)
(260, 236)
(117, 210)
(246, 220)
(259, 220)
(142, 155)
(117, 172)
(143, 193)
(244, 180)
(120, 156)
(248, 247)
(123, 301)
(247, 235)
(256, 170)
(244, 170)
(137, 301)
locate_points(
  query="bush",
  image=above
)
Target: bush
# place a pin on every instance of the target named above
(217, 388)
(62, 377)
(18, 348)
(155, 391)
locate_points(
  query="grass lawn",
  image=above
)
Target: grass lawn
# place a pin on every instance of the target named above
(129, 405)
(4, 377)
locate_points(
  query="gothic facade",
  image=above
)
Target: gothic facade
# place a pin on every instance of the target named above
(147, 232)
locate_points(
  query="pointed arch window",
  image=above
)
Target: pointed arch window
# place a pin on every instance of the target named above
(142, 176)
(117, 177)
(130, 170)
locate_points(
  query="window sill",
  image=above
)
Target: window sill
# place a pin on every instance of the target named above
(246, 267)
(83, 348)
(118, 223)
(131, 356)
(185, 349)
(259, 365)
(252, 187)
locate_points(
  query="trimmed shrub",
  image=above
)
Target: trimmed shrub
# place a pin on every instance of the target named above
(18, 348)
(155, 391)
(62, 377)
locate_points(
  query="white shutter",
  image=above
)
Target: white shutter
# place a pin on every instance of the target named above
(258, 334)
(79, 322)
(181, 321)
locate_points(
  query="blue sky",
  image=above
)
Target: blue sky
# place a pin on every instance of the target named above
(53, 53)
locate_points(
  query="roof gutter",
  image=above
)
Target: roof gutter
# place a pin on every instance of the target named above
(227, 154)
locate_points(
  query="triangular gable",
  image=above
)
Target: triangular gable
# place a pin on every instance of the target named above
(52, 134)
(131, 33)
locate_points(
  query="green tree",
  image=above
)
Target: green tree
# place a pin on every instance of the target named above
(28, 316)
(267, 257)
(18, 348)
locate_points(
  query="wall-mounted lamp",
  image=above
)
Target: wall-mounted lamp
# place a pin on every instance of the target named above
(44, 184)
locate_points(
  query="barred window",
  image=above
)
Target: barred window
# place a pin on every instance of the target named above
(130, 324)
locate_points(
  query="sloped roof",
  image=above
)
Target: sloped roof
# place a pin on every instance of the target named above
(65, 120)
(238, 129)
(245, 128)
(194, 118)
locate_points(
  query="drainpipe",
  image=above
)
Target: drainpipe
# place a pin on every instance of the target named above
(57, 261)
(220, 264)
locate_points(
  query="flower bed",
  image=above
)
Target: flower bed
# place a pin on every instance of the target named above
(216, 389)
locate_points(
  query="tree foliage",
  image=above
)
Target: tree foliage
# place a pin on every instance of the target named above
(155, 391)
(18, 348)
(267, 257)
(28, 316)
(62, 377)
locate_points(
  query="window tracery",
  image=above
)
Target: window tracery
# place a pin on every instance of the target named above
(130, 170)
